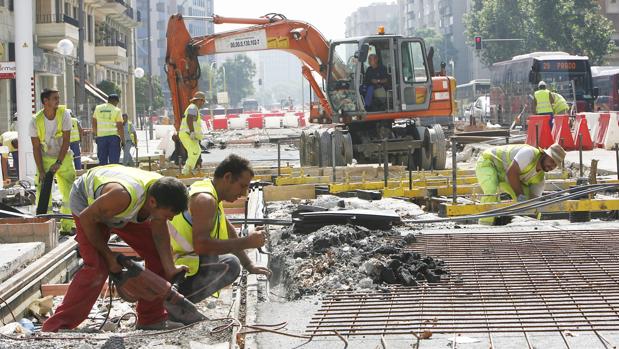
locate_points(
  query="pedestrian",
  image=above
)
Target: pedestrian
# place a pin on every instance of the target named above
(136, 205)
(107, 126)
(76, 138)
(9, 140)
(202, 237)
(190, 132)
(516, 169)
(543, 101)
(50, 132)
(131, 140)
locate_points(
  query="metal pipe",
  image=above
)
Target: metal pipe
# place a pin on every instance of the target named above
(580, 154)
(279, 158)
(81, 68)
(617, 158)
(410, 167)
(454, 170)
(386, 162)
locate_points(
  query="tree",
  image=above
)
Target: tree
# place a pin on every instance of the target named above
(108, 87)
(444, 50)
(239, 75)
(141, 94)
(573, 26)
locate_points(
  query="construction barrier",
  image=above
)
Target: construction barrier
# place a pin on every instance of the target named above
(599, 130)
(290, 120)
(232, 116)
(220, 123)
(237, 123)
(273, 114)
(255, 122)
(561, 132)
(612, 132)
(581, 128)
(538, 132)
(273, 122)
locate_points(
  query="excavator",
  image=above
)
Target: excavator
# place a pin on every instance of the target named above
(404, 122)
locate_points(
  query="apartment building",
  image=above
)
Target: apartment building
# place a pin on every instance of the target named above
(366, 20)
(108, 51)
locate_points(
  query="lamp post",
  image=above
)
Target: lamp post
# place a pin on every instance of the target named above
(65, 48)
(225, 90)
(139, 73)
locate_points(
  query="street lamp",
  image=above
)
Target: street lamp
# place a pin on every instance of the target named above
(210, 86)
(65, 48)
(138, 73)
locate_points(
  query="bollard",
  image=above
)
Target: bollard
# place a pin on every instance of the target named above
(333, 164)
(279, 158)
(580, 154)
(410, 167)
(454, 170)
(386, 159)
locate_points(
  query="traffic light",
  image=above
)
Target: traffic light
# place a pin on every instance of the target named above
(478, 42)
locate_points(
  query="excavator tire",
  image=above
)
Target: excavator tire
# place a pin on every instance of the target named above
(302, 145)
(425, 152)
(348, 153)
(325, 148)
(312, 149)
(338, 142)
(439, 148)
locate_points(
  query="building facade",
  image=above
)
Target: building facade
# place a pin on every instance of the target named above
(610, 9)
(366, 20)
(108, 52)
(446, 17)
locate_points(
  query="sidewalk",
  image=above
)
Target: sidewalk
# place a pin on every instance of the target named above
(607, 160)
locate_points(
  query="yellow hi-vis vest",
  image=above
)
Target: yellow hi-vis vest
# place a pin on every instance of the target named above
(542, 98)
(75, 131)
(135, 181)
(197, 123)
(560, 105)
(107, 116)
(40, 123)
(503, 156)
(182, 232)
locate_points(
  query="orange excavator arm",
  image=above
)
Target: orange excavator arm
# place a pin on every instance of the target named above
(267, 33)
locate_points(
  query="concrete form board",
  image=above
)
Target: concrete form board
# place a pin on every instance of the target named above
(15, 230)
(13, 257)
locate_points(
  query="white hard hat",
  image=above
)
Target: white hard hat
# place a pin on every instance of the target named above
(541, 83)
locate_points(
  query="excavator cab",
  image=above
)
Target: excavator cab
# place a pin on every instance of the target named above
(354, 64)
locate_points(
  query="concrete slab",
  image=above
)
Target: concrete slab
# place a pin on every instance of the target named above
(607, 161)
(14, 257)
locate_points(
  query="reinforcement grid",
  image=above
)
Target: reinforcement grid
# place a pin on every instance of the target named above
(498, 282)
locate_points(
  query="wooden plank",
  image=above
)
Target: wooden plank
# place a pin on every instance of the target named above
(281, 193)
(61, 290)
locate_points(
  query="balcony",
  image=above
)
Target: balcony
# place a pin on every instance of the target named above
(113, 7)
(51, 28)
(116, 54)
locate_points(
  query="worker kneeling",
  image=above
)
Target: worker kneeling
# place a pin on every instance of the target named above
(204, 240)
(518, 170)
(135, 205)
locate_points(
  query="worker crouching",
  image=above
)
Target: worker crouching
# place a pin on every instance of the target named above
(204, 240)
(518, 170)
(135, 205)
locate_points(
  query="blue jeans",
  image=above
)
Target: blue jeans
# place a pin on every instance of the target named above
(127, 158)
(15, 156)
(77, 155)
(108, 150)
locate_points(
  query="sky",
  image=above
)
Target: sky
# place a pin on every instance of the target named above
(327, 16)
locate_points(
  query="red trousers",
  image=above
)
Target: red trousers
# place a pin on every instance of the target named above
(88, 282)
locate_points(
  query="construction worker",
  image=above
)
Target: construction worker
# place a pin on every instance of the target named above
(136, 205)
(76, 138)
(190, 132)
(204, 240)
(9, 140)
(517, 169)
(50, 132)
(543, 101)
(131, 140)
(107, 126)
(559, 106)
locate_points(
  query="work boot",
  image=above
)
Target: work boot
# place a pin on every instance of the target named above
(162, 325)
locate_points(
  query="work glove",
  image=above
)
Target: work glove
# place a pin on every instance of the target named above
(192, 135)
(521, 198)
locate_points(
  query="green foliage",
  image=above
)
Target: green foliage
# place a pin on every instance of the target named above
(108, 87)
(573, 26)
(444, 49)
(239, 74)
(141, 94)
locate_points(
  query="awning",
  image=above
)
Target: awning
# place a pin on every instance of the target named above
(94, 91)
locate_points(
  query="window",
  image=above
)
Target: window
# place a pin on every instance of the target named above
(89, 28)
(413, 67)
